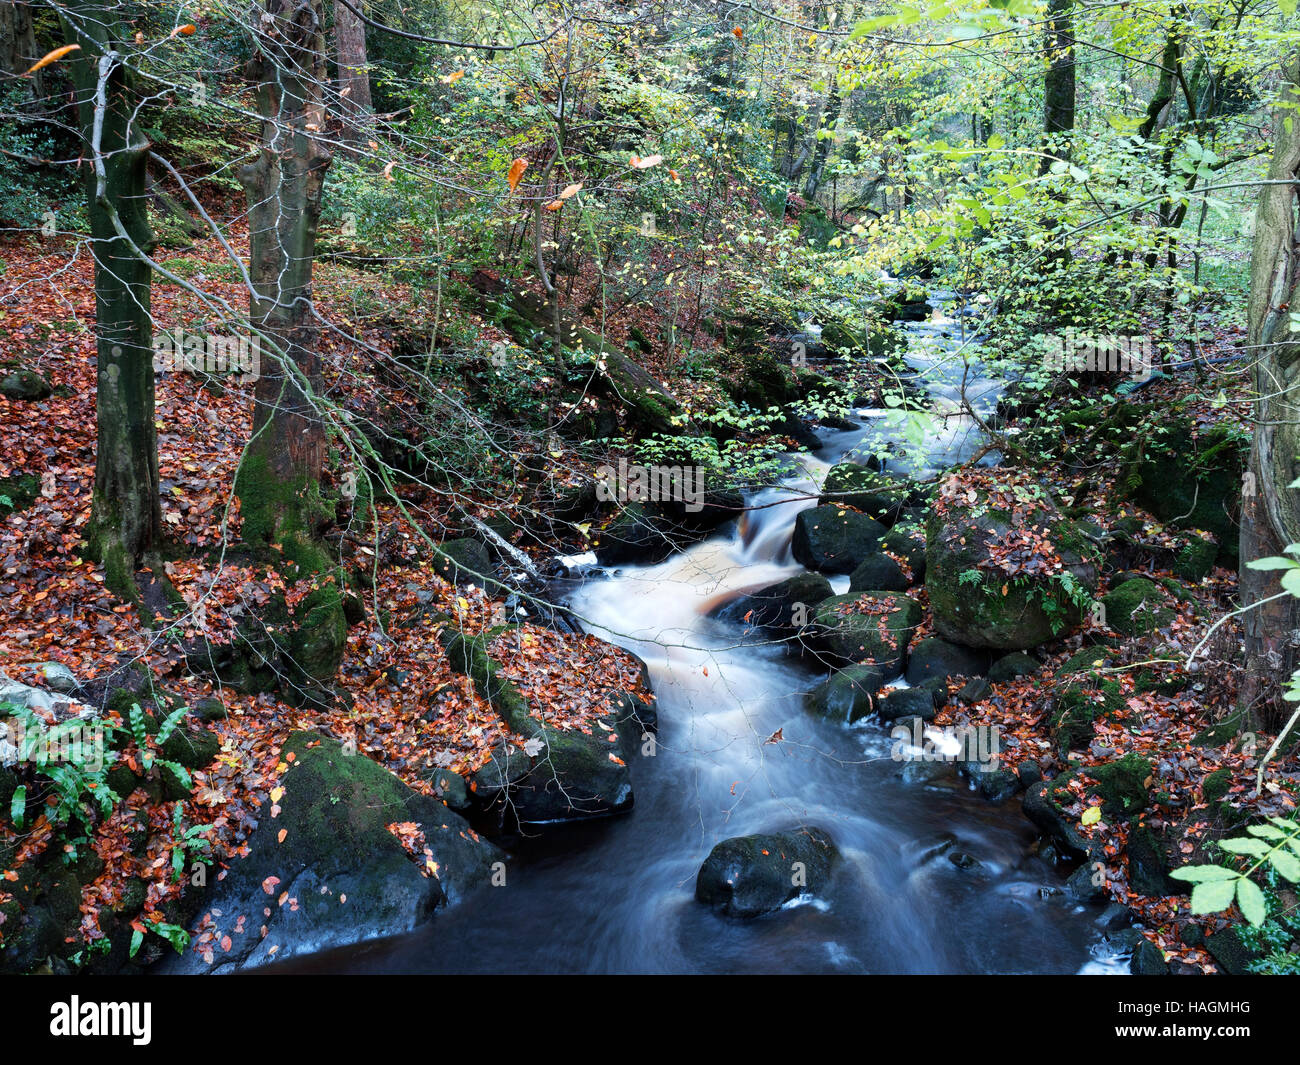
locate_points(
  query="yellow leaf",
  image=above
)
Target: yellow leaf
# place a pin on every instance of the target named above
(571, 191)
(53, 57)
(1091, 815)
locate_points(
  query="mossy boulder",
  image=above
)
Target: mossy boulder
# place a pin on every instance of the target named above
(971, 536)
(1076, 707)
(1136, 607)
(848, 694)
(933, 657)
(1193, 479)
(329, 849)
(1045, 804)
(784, 606)
(24, 385)
(464, 561)
(874, 494)
(748, 876)
(880, 572)
(544, 775)
(832, 539)
(867, 628)
(1123, 785)
(1010, 667)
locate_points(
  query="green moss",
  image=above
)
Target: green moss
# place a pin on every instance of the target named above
(1136, 608)
(1215, 786)
(1123, 785)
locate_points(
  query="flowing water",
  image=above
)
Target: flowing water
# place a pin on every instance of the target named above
(618, 895)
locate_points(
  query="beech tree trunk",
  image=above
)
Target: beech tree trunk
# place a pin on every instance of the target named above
(279, 481)
(126, 517)
(1270, 518)
(355, 103)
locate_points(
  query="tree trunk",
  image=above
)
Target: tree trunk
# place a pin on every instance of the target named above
(1058, 87)
(1270, 508)
(355, 104)
(279, 480)
(822, 153)
(18, 49)
(125, 518)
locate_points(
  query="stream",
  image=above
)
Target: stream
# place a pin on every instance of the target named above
(617, 895)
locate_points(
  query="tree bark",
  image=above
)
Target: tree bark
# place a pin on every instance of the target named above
(1058, 85)
(18, 49)
(279, 480)
(126, 517)
(355, 103)
(1270, 508)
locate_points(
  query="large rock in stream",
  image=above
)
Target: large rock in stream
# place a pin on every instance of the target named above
(834, 539)
(329, 870)
(1004, 568)
(869, 628)
(748, 876)
(551, 774)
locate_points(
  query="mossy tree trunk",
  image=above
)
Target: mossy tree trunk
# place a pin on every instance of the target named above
(279, 480)
(1270, 518)
(126, 518)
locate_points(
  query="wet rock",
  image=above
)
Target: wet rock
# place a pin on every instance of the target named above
(549, 775)
(878, 572)
(830, 539)
(748, 876)
(874, 494)
(933, 657)
(848, 695)
(906, 702)
(868, 629)
(1148, 960)
(640, 534)
(1009, 667)
(786, 606)
(331, 852)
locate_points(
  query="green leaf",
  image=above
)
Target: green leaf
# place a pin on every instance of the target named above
(1213, 896)
(995, 142)
(1274, 562)
(137, 937)
(18, 806)
(1251, 901)
(1256, 848)
(1198, 873)
(1286, 864)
